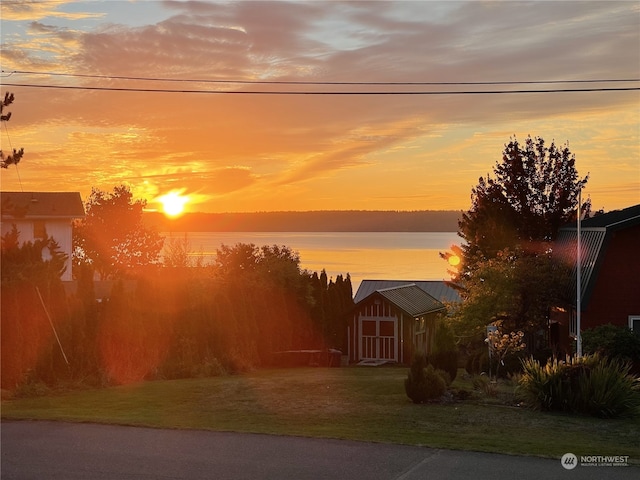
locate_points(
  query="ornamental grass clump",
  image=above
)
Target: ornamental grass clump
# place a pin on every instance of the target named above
(589, 385)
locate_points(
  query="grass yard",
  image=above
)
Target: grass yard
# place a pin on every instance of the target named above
(357, 403)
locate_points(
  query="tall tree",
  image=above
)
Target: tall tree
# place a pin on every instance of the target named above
(507, 273)
(533, 192)
(112, 237)
(14, 157)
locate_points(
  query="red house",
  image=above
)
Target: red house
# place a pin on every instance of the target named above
(610, 274)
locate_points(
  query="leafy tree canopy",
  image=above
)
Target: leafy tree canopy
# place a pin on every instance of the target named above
(516, 290)
(272, 264)
(505, 269)
(534, 191)
(112, 237)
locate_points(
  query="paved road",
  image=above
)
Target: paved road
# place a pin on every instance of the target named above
(67, 451)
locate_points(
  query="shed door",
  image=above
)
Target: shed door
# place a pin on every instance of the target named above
(378, 339)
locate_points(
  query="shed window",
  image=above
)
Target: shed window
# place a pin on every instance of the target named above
(634, 323)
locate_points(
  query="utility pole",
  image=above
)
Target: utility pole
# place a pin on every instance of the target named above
(578, 280)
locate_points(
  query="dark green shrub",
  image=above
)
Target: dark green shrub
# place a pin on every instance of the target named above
(590, 385)
(615, 342)
(511, 364)
(436, 385)
(423, 382)
(461, 394)
(446, 360)
(415, 383)
(477, 362)
(445, 339)
(445, 376)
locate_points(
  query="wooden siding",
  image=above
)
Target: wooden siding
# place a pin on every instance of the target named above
(616, 292)
(368, 339)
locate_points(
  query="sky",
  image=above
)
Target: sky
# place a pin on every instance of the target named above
(245, 152)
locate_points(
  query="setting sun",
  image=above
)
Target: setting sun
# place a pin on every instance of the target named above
(173, 203)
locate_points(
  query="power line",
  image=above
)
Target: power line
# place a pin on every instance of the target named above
(293, 92)
(291, 82)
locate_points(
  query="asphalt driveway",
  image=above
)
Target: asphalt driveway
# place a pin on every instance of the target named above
(68, 451)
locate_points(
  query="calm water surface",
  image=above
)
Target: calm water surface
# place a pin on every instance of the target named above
(364, 255)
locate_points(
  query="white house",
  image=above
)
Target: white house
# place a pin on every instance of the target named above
(39, 215)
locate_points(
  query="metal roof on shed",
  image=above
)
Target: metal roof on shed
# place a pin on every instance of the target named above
(409, 298)
(437, 289)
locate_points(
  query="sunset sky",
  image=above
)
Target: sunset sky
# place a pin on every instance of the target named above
(261, 152)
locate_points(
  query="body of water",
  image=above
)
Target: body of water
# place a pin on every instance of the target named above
(364, 255)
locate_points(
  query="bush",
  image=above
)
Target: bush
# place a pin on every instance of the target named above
(477, 362)
(461, 394)
(447, 361)
(445, 376)
(590, 385)
(615, 342)
(423, 382)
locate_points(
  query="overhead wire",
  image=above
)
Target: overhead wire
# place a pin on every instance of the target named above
(324, 83)
(300, 82)
(293, 92)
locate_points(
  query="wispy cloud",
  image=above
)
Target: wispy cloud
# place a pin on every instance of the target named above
(17, 10)
(242, 146)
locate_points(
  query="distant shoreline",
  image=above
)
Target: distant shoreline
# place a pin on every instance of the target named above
(311, 221)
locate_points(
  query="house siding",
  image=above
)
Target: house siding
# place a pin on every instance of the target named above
(60, 230)
(616, 292)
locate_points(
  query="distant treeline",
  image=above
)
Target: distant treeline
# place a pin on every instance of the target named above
(312, 221)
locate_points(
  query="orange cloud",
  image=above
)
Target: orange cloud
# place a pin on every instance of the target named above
(268, 151)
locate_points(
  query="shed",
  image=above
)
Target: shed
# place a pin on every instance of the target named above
(391, 324)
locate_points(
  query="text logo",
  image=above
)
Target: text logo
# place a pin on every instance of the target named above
(569, 461)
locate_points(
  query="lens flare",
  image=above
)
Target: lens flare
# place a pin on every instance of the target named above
(454, 260)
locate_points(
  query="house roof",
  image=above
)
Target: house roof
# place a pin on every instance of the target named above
(440, 290)
(613, 220)
(409, 298)
(595, 234)
(16, 205)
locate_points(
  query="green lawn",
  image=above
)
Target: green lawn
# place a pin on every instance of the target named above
(365, 403)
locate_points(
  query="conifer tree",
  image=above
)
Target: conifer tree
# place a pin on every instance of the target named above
(16, 155)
